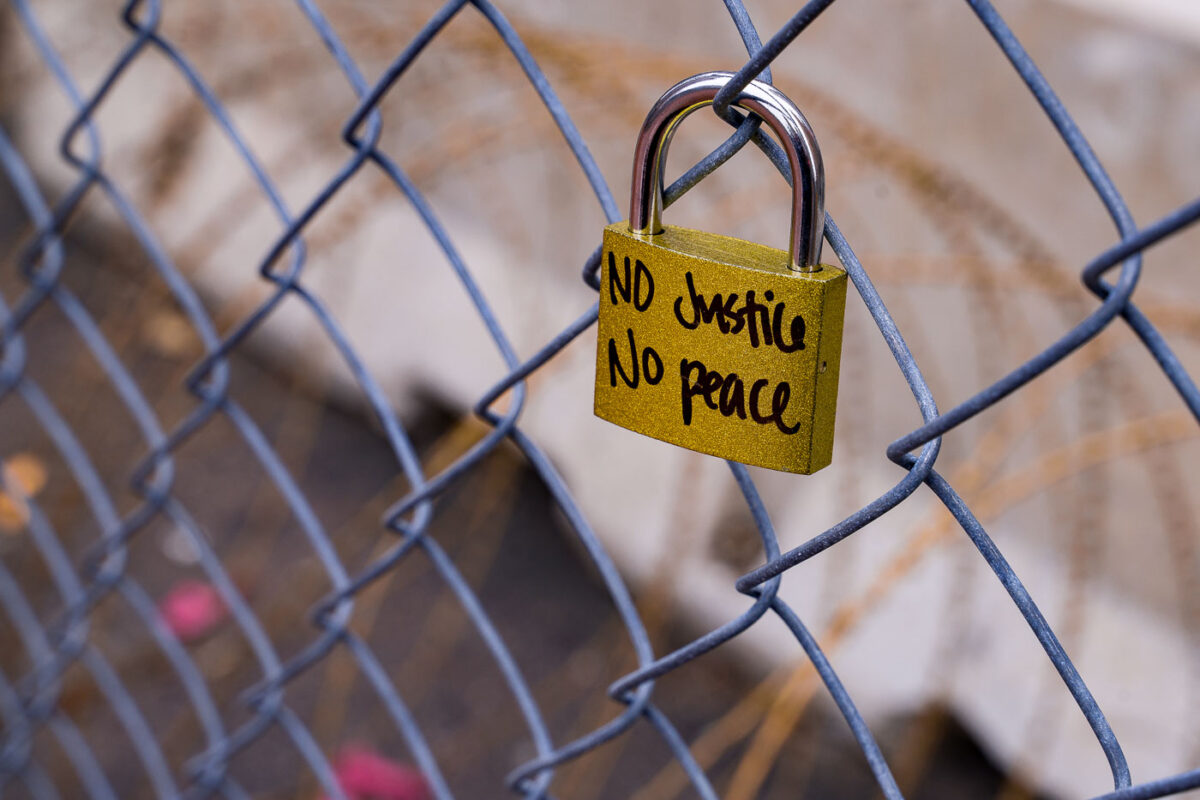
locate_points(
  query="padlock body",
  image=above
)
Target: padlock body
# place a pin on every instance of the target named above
(714, 344)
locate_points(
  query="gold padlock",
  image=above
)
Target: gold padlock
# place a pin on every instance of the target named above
(712, 343)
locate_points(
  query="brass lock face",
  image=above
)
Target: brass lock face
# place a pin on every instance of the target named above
(712, 343)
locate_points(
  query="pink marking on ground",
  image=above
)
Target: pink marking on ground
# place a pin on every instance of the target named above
(365, 775)
(192, 609)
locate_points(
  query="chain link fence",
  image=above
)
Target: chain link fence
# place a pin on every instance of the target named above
(35, 707)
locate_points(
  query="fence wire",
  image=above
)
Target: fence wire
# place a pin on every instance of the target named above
(32, 704)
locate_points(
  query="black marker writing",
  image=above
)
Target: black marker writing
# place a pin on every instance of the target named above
(631, 289)
(757, 319)
(730, 391)
(649, 359)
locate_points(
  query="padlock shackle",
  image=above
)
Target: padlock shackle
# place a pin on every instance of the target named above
(775, 109)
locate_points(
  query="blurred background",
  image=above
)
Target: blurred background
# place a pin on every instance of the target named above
(967, 212)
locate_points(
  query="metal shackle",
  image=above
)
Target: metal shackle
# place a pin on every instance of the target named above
(777, 111)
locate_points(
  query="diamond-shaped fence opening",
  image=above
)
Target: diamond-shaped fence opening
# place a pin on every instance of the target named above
(223, 576)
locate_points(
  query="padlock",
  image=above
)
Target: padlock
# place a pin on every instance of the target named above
(712, 343)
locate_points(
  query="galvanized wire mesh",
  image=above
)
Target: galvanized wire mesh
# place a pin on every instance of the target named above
(32, 704)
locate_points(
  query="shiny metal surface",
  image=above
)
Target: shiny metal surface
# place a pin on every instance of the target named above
(779, 113)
